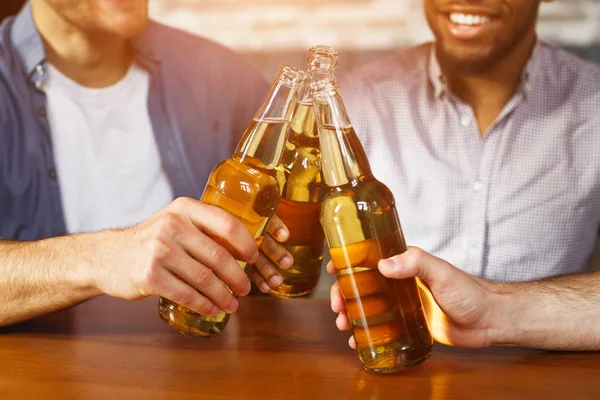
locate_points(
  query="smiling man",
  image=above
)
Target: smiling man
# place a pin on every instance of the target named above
(489, 140)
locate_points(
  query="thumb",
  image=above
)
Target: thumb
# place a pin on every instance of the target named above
(277, 229)
(416, 262)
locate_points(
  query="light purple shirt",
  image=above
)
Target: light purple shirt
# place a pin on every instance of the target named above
(521, 203)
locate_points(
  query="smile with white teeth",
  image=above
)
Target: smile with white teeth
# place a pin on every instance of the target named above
(469, 19)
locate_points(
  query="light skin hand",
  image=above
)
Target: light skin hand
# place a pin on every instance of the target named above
(469, 308)
(265, 272)
(184, 253)
(177, 254)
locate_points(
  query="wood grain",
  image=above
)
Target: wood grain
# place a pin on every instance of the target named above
(272, 349)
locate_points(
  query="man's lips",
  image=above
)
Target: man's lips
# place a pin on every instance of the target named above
(469, 25)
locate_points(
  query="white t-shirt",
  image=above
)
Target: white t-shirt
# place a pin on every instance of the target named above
(106, 155)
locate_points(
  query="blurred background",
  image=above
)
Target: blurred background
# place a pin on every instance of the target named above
(273, 31)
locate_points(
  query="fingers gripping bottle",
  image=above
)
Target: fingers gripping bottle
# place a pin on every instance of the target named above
(245, 186)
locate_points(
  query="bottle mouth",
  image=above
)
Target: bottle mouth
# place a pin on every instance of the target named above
(290, 76)
(323, 57)
(323, 88)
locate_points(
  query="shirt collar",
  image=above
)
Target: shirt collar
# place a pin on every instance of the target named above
(435, 74)
(532, 69)
(144, 46)
(28, 44)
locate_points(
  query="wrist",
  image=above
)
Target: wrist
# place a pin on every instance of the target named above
(505, 322)
(85, 258)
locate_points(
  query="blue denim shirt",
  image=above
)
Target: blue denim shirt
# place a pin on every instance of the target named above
(202, 96)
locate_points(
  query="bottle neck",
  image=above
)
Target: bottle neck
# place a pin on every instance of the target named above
(343, 158)
(322, 62)
(263, 141)
(315, 75)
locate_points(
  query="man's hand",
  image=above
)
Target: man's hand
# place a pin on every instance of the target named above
(264, 272)
(185, 253)
(468, 308)
(181, 253)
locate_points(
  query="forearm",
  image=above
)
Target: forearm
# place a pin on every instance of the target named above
(561, 313)
(43, 276)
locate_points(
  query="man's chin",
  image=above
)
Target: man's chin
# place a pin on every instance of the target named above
(126, 24)
(129, 30)
(470, 61)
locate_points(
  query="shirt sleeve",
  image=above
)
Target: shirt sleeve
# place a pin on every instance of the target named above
(5, 120)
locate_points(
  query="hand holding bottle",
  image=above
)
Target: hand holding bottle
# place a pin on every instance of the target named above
(463, 308)
(181, 253)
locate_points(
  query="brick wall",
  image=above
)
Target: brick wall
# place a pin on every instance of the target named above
(285, 25)
(274, 31)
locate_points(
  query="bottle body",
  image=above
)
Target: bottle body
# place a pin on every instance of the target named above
(387, 316)
(299, 175)
(249, 191)
(361, 225)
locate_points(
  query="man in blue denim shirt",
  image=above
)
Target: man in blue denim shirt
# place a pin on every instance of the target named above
(105, 118)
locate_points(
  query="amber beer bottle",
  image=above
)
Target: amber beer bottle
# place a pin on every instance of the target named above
(299, 175)
(245, 186)
(361, 226)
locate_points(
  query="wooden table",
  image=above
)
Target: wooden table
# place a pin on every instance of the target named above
(272, 349)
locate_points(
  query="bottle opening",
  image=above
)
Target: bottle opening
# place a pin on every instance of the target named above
(290, 76)
(323, 57)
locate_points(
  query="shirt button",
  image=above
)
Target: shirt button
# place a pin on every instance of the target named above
(43, 113)
(41, 70)
(478, 186)
(465, 121)
(52, 174)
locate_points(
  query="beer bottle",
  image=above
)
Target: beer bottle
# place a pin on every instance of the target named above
(245, 186)
(301, 185)
(361, 226)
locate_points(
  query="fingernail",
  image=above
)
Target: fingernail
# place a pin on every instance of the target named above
(233, 306)
(387, 264)
(215, 310)
(334, 308)
(286, 262)
(254, 257)
(264, 287)
(276, 280)
(247, 289)
(281, 235)
(338, 321)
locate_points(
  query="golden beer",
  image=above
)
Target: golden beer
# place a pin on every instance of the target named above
(361, 225)
(245, 185)
(301, 186)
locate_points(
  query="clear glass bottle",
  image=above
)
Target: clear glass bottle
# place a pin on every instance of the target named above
(301, 185)
(361, 225)
(245, 185)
